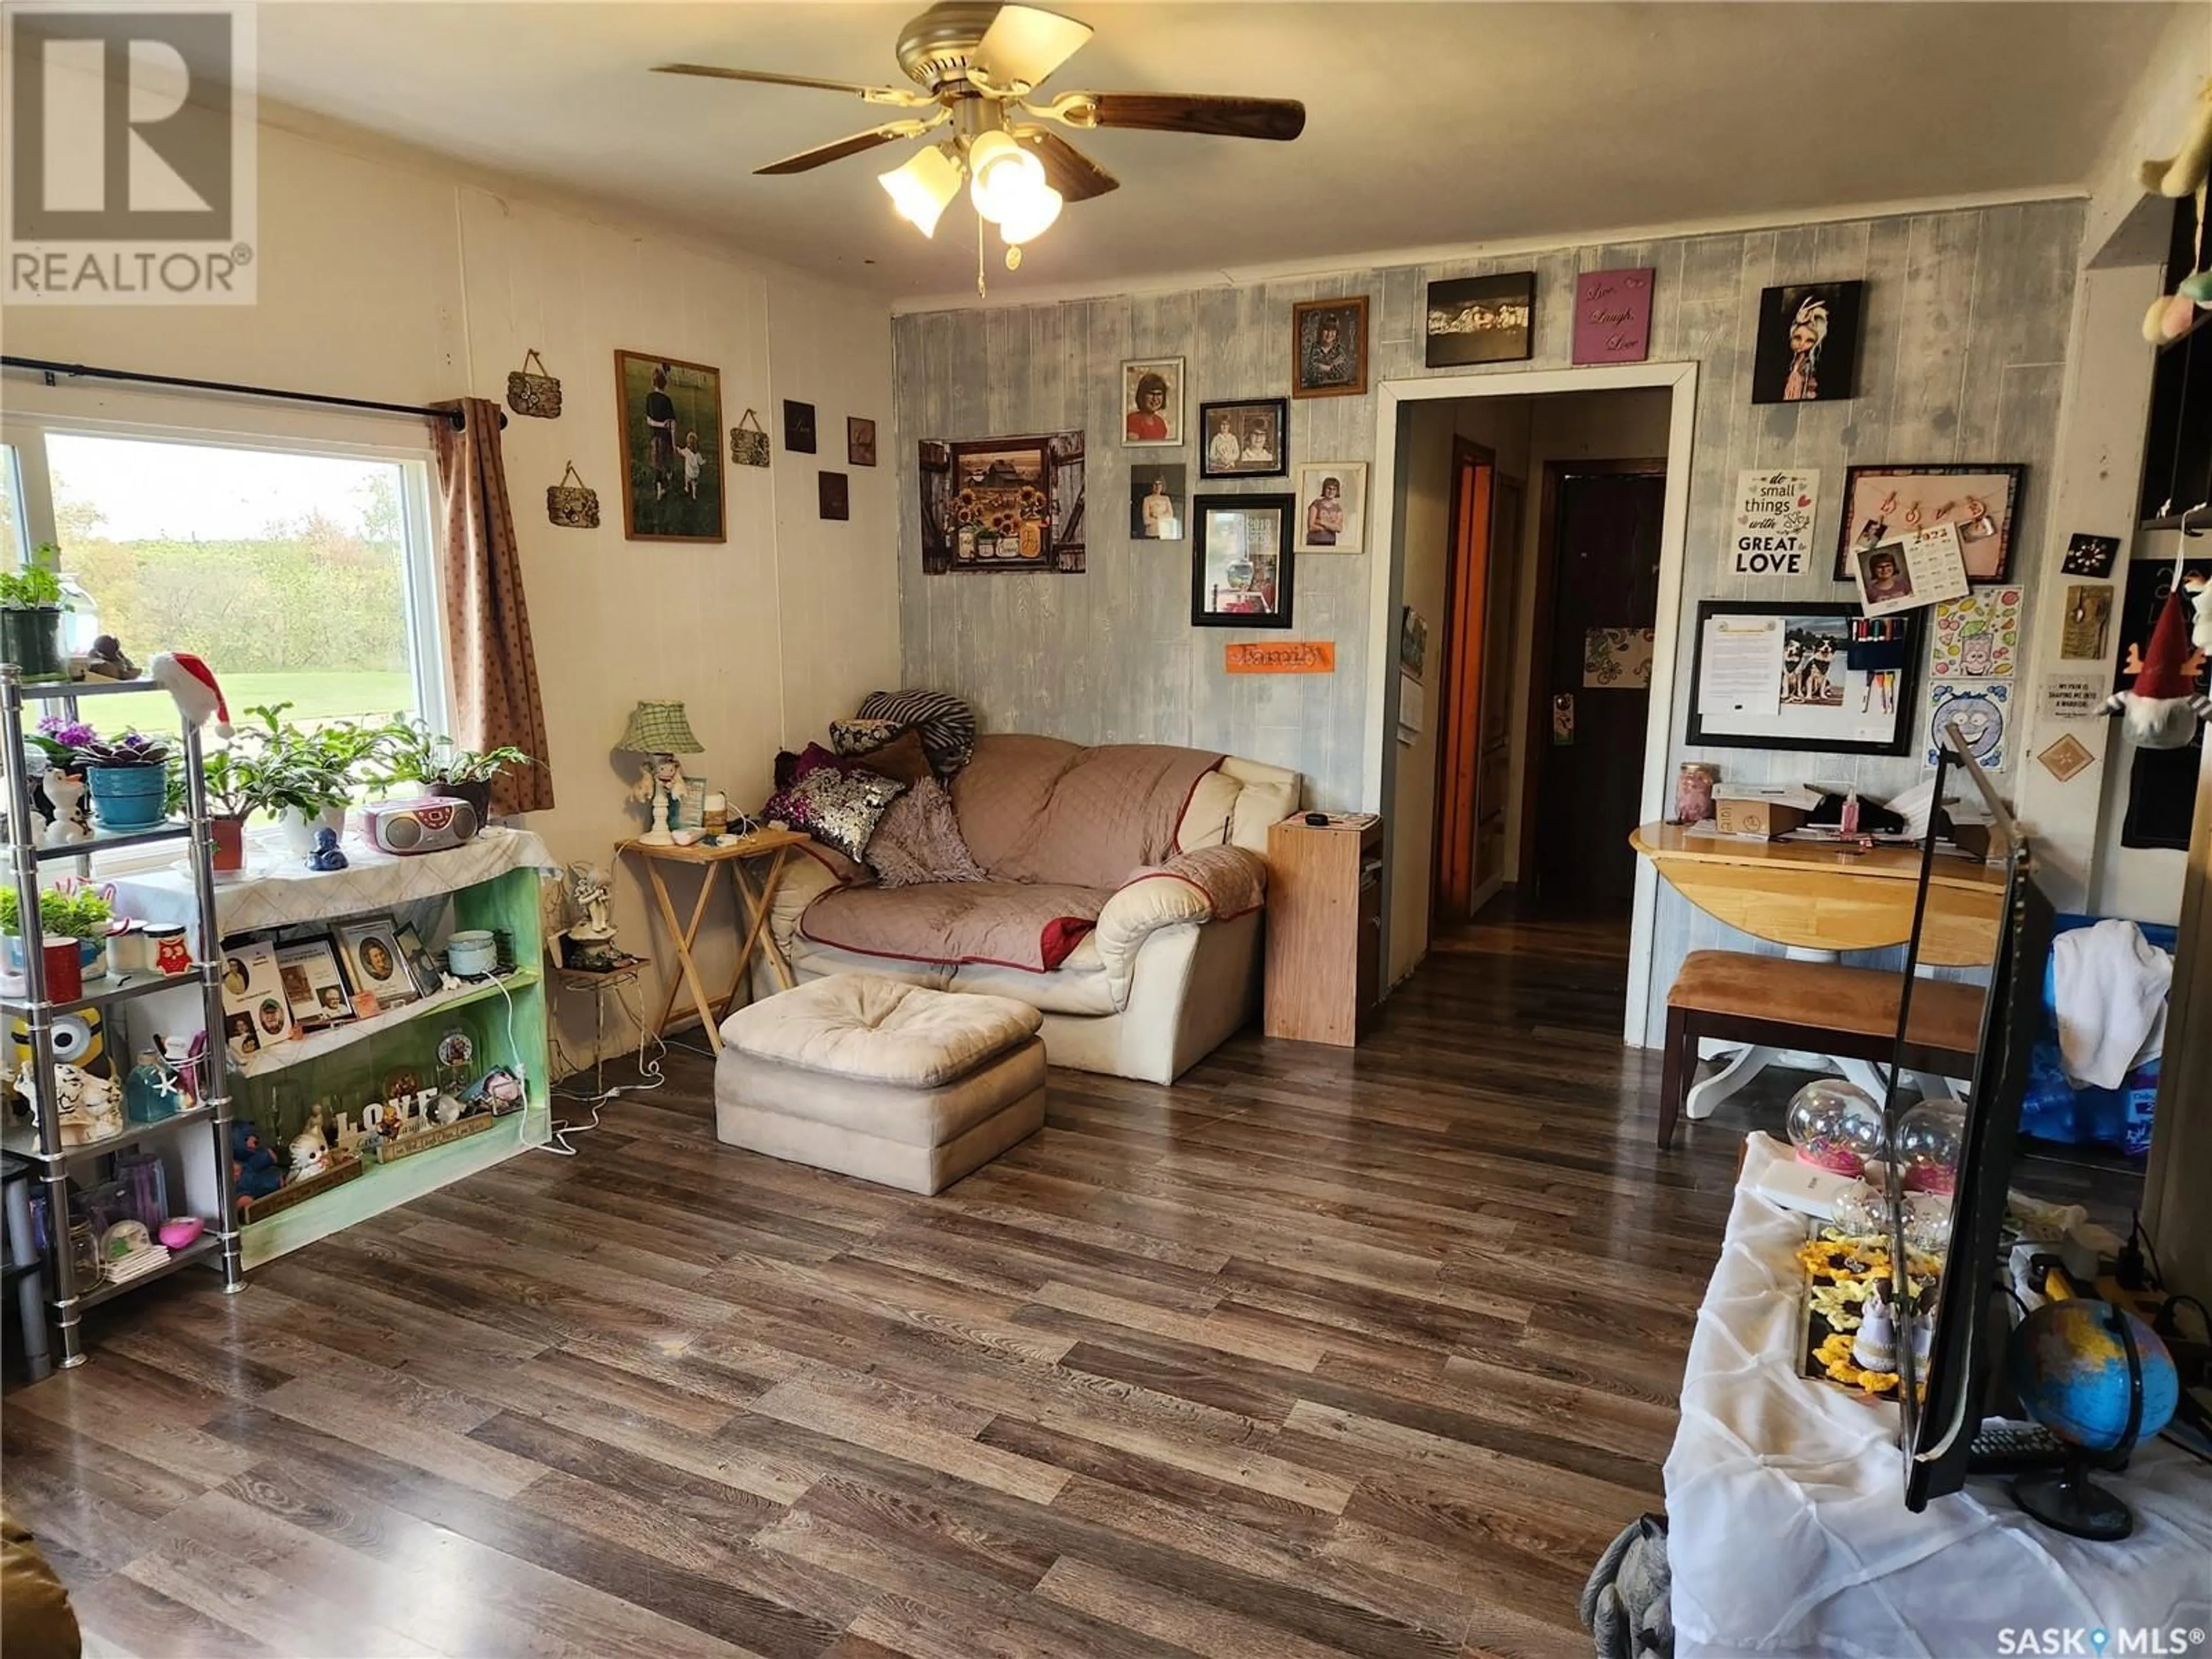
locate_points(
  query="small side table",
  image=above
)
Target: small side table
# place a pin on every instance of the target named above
(1324, 929)
(773, 845)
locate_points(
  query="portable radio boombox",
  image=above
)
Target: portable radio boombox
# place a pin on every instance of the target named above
(428, 825)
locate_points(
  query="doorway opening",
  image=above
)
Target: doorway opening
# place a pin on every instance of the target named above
(1532, 533)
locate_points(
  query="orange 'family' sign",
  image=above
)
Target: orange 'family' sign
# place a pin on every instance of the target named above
(1282, 657)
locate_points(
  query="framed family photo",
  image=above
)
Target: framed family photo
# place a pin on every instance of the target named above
(1481, 319)
(1981, 501)
(369, 948)
(1246, 440)
(671, 416)
(1328, 349)
(1808, 344)
(1151, 402)
(1241, 562)
(1798, 674)
(1331, 508)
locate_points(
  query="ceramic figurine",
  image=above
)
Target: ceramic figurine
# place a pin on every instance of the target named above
(85, 1108)
(326, 855)
(589, 944)
(499, 1091)
(1874, 1348)
(107, 660)
(253, 1171)
(661, 784)
(309, 1154)
(66, 791)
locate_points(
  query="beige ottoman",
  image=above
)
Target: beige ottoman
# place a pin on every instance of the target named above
(874, 1077)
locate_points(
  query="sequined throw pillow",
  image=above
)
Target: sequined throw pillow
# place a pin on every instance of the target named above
(839, 809)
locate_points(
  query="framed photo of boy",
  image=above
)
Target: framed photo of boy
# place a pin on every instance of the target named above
(1151, 402)
(1241, 562)
(368, 946)
(1328, 348)
(1244, 440)
(671, 419)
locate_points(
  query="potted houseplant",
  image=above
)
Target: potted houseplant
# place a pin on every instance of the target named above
(293, 774)
(234, 790)
(413, 754)
(129, 774)
(71, 925)
(31, 606)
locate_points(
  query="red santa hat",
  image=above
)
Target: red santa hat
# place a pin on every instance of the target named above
(2162, 709)
(193, 684)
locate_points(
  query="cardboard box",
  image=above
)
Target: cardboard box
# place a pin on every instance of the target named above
(1756, 815)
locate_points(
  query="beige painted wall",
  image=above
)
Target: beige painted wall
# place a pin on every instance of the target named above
(386, 277)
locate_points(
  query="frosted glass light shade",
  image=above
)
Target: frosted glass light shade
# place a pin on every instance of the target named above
(1031, 218)
(1004, 178)
(923, 188)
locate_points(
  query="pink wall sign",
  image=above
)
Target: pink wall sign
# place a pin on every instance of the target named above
(1613, 316)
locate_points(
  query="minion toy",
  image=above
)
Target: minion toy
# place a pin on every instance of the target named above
(79, 1039)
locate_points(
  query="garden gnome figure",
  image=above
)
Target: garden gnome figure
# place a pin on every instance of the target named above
(2160, 710)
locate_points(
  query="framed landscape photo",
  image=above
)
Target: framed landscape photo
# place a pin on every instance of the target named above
(1241, 562)
(1159, 501)
(1247, 438)
(1980, 500)
(1331, 508)
(1481, 319)
(671, 416)
(1808, 344)
(1799, 674)
(1151, 402)
(1328, 348)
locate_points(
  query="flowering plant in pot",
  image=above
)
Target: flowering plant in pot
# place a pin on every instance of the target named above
(436, 765)
(128, 774)
(31, 606)
(72, 924)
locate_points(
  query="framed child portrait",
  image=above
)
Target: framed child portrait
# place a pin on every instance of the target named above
(1151, 402)
(1329, 350)
(1332, 506)
(375, 964)
(1248, 439)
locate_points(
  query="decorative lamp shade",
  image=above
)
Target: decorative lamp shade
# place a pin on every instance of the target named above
(659, 729)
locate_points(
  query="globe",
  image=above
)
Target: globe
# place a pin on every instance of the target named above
(1835, 1125)
(2069, 1368)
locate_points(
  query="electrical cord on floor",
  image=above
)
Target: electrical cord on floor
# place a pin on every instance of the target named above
(649, 1067)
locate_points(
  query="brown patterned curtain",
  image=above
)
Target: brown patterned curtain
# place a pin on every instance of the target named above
(496, 699)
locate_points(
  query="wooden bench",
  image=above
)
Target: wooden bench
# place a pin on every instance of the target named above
(1779, 1003)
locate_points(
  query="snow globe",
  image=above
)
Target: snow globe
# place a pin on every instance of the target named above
(1835, 1125)
(1928, 1138)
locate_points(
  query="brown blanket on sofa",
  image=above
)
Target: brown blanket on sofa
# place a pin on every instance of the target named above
(1025, 925)
(1041, 810)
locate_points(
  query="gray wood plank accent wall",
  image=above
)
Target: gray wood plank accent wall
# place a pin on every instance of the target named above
(1961, 358)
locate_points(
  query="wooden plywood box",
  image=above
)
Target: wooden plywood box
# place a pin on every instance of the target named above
(1324, 930)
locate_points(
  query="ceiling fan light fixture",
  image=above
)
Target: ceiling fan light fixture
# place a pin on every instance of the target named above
(1005, 178)
(1032, 216)
(923, 188)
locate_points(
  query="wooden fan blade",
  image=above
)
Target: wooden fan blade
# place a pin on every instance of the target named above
(1068, 169)
(898, 95)
(1023, 45)
(1279, 118)
(807, 160)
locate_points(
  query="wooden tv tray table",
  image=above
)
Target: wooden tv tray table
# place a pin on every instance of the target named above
(775, 845)
(1818, 900)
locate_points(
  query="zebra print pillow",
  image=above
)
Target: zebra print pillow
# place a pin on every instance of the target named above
(947, 726)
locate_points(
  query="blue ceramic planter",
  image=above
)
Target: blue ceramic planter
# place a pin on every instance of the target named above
(128, 798)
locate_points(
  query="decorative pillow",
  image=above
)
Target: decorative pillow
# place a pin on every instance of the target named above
(839, 809)
(946, 723)
(858, 737)
(919, 841)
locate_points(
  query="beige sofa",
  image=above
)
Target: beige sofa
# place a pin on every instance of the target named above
(1146, 864)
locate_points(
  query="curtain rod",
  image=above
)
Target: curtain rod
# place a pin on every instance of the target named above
(81, 371)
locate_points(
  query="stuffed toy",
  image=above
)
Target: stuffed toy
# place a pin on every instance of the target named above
(2160, 710)
(253, 1171)
(193, 684)
(2182, 173)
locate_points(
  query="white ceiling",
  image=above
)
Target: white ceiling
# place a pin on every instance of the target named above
(1428, 124)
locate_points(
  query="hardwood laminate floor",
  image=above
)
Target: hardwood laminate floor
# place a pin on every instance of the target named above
(1317, 1352)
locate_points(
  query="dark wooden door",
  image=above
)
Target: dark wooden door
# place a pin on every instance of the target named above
(1602, 572)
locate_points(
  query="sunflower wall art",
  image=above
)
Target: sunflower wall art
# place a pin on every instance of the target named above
(1001, 504)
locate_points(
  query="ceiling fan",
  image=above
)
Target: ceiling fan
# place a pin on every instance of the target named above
(978, 65)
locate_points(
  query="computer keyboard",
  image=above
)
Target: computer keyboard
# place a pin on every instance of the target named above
(2004, 1447)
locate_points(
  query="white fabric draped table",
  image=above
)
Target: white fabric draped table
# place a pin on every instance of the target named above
(1788, 1532)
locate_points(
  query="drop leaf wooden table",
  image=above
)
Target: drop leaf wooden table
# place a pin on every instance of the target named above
(737, 854)
(1819, 899)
